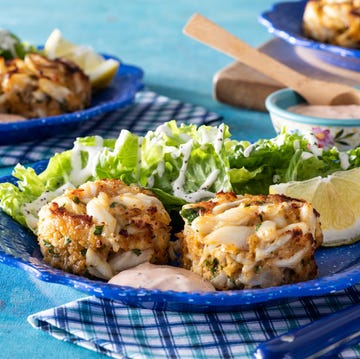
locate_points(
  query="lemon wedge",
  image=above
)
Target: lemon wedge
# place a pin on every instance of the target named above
(101, 71)
(337, 199)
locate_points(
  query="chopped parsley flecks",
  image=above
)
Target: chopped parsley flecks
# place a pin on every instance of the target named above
(50, 247)
(191, 213)
(47, 244)
(136, 251)
(212, 265)
(98, 230)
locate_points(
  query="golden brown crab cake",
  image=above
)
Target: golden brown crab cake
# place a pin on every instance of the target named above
(238, 242)
(40, 87)
(333, 21)
(102, 228)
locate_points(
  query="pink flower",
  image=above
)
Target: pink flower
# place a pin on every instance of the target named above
(323, 136)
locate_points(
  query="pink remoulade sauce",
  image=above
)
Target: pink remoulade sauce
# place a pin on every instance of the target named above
(8, 118)
(324, 111)
(162, 277)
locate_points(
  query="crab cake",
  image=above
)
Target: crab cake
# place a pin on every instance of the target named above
(102, 228)
(40, 87)
(333, 21)
(247, 241)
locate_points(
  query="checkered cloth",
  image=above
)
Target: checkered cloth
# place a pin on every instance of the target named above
(147, 112)
(119, 331)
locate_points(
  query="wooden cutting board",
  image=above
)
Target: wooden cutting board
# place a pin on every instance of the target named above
(239, 85)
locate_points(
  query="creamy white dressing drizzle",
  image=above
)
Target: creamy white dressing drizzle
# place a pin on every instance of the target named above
(120, 140)
(210, 179)
(279, 140)
(344, 160)
(185, 151)
(248, 150)
(78, 174)
(209, 136)
(310, 138)
(163, 129)
(139, 158)
(150, 181)
(296, 144)
(317, 151)
(306, 155)
(178, 184)
(219, 139)
(160, 168)
(198, 195)
(31, 209)
(168, 132)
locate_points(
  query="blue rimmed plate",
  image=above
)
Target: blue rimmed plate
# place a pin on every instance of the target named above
(339, 268)
(121, 92)
(284, 20)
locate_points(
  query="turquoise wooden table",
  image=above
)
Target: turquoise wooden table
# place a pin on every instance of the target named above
(149, 35)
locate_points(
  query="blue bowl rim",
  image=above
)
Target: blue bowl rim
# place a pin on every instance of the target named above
(271, 104)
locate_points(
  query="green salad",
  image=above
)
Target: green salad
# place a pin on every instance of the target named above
(12, 47)
(180, 164)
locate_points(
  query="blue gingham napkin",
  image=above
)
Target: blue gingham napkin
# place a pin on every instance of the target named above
(119, 331)
(147, 112)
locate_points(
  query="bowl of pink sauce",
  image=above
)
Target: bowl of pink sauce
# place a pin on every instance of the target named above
(332, 125)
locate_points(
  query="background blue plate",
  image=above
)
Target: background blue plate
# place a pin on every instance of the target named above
(121, 92)
(284, 20)
(339, 268)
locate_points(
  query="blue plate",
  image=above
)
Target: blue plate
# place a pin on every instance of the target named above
(121, 92)
(339, 268)
(284, 20)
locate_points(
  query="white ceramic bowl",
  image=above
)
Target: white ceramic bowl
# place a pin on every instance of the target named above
(344, 134)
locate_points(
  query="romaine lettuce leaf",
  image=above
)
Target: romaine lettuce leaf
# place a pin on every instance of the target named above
(181, 163)
(287, 157)
(186, 161)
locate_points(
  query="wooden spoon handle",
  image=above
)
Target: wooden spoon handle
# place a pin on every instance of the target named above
(204, 30)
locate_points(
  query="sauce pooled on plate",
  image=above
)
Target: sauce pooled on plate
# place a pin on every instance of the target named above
(162, 277)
